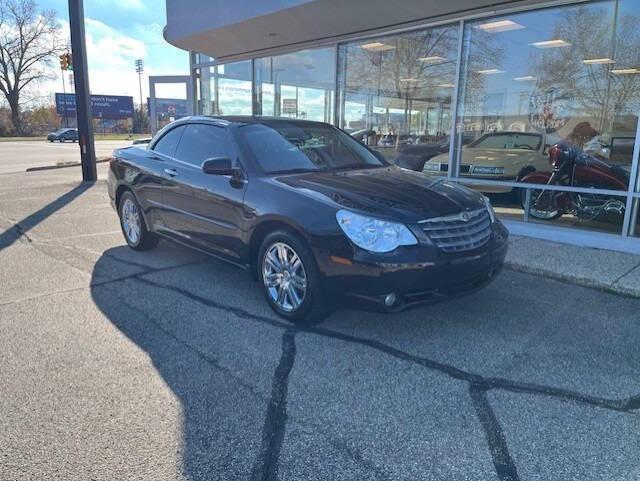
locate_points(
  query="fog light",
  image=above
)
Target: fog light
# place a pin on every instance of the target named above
(390, 299)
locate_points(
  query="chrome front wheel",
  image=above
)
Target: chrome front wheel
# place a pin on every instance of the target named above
(284, 276)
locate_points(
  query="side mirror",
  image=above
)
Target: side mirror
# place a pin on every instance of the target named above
(218, 166)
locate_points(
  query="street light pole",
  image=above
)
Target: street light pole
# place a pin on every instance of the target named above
(140, 70)
(83, 96)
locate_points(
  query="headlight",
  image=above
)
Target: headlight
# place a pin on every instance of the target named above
(492, 213)
(482, 169)
(431, 167)
(374, 235)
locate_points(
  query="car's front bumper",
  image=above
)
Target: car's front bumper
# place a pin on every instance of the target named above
(415, 275)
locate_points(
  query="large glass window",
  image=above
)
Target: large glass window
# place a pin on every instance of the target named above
(569, 74)
(226, 89)
(299, 85)
(397, 90)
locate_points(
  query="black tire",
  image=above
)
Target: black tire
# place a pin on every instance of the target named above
(145, 240)
(313, 306)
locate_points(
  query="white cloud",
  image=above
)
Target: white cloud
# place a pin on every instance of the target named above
(124, 4)
(107, 47)
(111, 55)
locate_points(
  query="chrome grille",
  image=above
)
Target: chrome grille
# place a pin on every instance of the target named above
(460, 232)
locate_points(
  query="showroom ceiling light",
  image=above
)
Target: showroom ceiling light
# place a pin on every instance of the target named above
(551, 44)
(490, 71)
(599, 61)
(499, 26)
(409, 80)
(377, 46)
(433, 59)
(625, 71)
(445, 86)
(526, 78)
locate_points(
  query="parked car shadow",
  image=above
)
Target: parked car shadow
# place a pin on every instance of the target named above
(216, 345)
(223, 404)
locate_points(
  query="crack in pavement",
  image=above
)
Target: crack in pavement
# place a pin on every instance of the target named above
(502, 460)
(266, 465)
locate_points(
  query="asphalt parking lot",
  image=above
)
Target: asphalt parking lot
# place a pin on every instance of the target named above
(17, 156)
(168, 365)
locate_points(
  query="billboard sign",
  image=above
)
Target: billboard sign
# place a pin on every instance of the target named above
(102, 106)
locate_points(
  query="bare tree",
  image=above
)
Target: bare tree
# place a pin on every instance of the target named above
(29, 42)
(594, 32)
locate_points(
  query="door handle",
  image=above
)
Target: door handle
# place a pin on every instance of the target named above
(171, 172)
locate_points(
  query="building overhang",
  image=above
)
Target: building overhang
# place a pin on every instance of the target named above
(232, 30)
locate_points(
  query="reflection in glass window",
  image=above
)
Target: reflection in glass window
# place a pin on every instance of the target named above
(397, 92)
(570, 74)
(297, 85)
(508, 141)
(226, 89)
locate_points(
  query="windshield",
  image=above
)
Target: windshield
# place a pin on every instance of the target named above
(283, 147)
(508, 141)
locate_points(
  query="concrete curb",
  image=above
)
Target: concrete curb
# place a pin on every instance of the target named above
(625, 283)
(63, 165)
(576, 280)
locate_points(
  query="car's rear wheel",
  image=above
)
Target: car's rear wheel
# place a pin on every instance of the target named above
(289, 277)
(133, 225)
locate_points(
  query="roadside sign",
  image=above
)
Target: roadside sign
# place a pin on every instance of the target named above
(289, 106)
(102, 106)
(166, 108)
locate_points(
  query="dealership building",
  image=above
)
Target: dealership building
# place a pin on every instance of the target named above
(472, 90)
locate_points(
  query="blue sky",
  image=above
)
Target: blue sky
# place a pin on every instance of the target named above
(118, 32)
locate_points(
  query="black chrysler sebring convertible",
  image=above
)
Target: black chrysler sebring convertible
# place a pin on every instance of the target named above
(312, 212)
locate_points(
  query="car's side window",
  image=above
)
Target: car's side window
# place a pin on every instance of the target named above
(169, 141)
(200, 142)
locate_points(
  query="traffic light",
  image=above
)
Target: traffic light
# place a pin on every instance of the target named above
(66, 62)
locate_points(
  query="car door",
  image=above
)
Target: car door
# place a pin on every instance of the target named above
(153, 178)
(205, 209)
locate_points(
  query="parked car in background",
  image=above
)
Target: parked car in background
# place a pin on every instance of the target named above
(506, 156)
(63, 135)
(414, 156)
(310, 211)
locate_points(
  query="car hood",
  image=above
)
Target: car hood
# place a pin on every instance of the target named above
(494, 157)
(391, 193)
